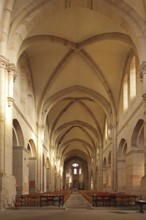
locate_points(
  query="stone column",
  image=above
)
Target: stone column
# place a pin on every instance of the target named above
(40, 180)
(44, 178)
(94, 173)
(11, 76)
(12, 73)
(61, 175)
(3, 72)
(7, 180)
(52, 179)
(100, 168)
(48, 179)
(142, 72)
(113, 128)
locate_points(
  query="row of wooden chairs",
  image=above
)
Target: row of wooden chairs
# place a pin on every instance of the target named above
(109, 199)
(57, 198)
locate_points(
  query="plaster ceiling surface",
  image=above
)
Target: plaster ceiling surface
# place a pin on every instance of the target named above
(77, 58)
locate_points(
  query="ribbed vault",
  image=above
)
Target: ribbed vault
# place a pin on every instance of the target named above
(76, 53)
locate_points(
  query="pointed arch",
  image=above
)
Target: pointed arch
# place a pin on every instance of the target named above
(18, 138)
(137, 133)
(32, 147)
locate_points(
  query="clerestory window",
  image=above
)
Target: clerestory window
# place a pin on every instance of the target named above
(129, 83)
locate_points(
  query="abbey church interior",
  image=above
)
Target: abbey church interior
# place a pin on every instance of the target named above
(72, 96)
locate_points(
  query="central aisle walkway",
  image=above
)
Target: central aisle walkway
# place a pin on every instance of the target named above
(76, 200)
(72, 212)
(76, 207)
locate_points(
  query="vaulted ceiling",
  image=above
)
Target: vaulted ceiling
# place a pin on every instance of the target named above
(76, 52)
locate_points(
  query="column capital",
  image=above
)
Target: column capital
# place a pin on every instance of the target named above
(144, 97)
(112, 125)
(12, 70)
(41, 127)
(10, 101)
(142, 69)
(3, 62)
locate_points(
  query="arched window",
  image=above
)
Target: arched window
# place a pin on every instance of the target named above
(75, 168)
(129, 83)
(106, 130)
(133, 78)
(125, 93)
(75, 164)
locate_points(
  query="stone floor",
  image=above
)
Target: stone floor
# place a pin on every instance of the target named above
(76, 208)
(77, 201)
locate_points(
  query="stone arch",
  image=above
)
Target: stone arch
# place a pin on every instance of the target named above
(98, 135)
(74, 153)
(48, 164)
(35, 40)
(82, 180)
(127, 21)
(138, 135)
(121, 165)
(87, 151)
(137, 154)
(32, 148)
(18, 156)
(18, 138)
(122, 148)
(32, 172)
(62, 95)
(104, 162)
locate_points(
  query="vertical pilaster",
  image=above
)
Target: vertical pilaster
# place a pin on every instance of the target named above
(12, 73)
(7, 180)
(52, 179)
(11, 76)
(100, 168)
(3, 72)
(94, 173)
(48, 179)
(114, 156)
(144, 106)
(40, 175)
(142, 72)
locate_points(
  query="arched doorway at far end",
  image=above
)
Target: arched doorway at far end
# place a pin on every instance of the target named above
(75, 175)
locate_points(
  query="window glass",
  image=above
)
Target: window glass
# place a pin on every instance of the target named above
(75, 164)
(75, 171)
(125, 93)
(133, 78)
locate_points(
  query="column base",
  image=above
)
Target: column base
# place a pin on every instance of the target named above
(143, 187)
(7, 190)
